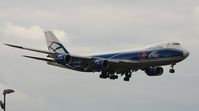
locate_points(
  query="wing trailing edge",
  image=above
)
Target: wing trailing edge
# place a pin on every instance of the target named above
(39, 58)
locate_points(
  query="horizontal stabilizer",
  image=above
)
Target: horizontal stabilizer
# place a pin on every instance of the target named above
(35, 50)
(38, 58)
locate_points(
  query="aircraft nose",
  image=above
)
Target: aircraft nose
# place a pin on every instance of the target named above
(186, 53)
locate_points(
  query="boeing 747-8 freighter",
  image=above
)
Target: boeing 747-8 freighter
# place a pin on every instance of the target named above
(150, 60)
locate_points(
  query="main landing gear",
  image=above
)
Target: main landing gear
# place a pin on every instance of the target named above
(105, 75)
(172, 69)
(127, 77)
(113, 76)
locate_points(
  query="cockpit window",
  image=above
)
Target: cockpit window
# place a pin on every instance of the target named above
(176, 44)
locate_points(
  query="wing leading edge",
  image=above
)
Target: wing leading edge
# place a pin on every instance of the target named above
(30, 49)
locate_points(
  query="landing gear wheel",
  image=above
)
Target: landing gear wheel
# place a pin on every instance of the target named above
(126, 79)
(172, 71)
(114, 77)
(102, 76)
(127, 76)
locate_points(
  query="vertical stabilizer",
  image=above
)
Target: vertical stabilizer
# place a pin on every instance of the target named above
(53, 43)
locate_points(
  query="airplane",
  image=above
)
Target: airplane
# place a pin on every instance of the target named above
(150, 59)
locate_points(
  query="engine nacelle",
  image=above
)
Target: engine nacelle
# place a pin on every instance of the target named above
(99, 64)
(154, 71)
(63, 59)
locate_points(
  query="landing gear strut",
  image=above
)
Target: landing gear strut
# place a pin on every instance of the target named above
(172, 69)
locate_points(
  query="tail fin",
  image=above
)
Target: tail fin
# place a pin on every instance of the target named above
(53, 43)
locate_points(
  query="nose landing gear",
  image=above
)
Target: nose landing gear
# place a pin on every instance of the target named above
(172, 69)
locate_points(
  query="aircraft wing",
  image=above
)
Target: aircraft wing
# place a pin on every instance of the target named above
(114, 63)
(30, 49)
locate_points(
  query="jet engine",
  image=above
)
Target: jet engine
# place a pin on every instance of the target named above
(99, 64)
(63, 59)
(154, 71)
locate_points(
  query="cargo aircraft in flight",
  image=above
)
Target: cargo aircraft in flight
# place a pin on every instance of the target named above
(150, 59)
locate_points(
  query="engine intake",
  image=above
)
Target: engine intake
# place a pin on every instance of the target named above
(99, 64)
(154, 71)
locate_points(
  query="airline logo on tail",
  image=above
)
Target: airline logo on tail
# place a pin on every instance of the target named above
(57, 48)
(53, 43)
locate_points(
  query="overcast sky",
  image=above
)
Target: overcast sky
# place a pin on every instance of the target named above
(98, 26)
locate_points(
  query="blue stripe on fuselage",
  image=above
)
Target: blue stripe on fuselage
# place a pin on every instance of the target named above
(144, 54)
